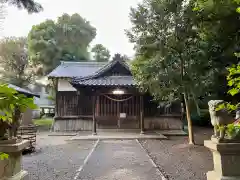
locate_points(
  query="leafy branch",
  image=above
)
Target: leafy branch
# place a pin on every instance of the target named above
(12, 105)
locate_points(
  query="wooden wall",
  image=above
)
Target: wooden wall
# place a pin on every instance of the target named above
(73, 107)
(70, 103)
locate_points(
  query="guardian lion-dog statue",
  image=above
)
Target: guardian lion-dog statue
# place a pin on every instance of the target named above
(219, 118)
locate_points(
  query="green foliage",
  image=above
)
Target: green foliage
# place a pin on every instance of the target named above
(67, 39)
(16, 69)
(52, 98)
(10, 100)
(233, 130)
(222, 43)
(100, 53)
(170, 33)
(200, 120)
(227, 106)
(234, 80)
(43, 122)
(170, 58)
(3, 156)
(30, 5)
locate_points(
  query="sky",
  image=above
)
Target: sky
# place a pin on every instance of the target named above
(109, 17)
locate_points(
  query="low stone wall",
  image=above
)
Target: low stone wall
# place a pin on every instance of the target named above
(72, 125)
(163, 123)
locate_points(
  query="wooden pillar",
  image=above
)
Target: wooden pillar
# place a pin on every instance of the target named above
(56, 97)
(142, 114)
(118, 115)
(97, 106)
(94, 114)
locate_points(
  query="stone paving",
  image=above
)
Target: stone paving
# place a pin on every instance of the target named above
(119, 160)
(58, 159)
(120, 135)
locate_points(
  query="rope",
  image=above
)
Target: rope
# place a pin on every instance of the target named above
(118, 100)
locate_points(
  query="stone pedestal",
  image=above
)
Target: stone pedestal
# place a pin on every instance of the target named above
(10, 169)
(27, 118)
(226, 160)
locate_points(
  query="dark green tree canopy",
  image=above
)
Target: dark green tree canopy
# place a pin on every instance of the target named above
(67, 39)
(168, 33)
(30, 5)
(100, 53)
(219, 25)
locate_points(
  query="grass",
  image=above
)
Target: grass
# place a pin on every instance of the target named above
(43, 122)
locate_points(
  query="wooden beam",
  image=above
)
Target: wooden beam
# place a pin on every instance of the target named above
(142, 114)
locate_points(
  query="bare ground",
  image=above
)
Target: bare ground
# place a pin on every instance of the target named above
(178, 160)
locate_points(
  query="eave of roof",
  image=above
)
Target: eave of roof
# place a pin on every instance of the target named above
(105, 68)
(105, 81)
(75, 69)
(23, 91)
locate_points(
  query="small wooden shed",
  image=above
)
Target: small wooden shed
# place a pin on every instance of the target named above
(91, 95)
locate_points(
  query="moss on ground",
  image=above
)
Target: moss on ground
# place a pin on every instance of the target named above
(43, 122)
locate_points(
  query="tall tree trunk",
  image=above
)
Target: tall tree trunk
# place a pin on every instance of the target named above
(185, 96)
(190, 128)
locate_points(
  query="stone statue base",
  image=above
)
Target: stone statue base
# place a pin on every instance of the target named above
(10, 169)
(218, 140)
(226, 160)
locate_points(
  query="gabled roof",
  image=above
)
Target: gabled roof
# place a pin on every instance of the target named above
(93, 73)
(99, 78)
(76, 69)
(104, 69)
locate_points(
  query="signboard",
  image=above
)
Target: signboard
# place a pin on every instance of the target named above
(123, 115)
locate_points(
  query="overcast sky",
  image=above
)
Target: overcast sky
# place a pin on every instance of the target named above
(109, 17)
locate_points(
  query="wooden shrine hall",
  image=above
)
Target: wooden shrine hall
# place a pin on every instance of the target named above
(94, 95)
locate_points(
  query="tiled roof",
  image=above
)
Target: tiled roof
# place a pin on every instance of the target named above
(109, 66)
(23, 91)
(76, 69)
(106, 81)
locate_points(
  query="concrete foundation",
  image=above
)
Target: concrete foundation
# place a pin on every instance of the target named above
(72, 125)
(150, 123)
(163, 123)
(226, 160)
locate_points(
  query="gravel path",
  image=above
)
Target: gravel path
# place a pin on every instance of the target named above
(55, 158)
(58, 159)
(119, 160)
(178, 160)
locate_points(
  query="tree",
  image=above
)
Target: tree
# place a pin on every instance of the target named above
(67, 39)
(223, 14)
(16, 68)
(169, 63)
(222, 43)
(30, 5)
(120, 56)
(100, 53)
